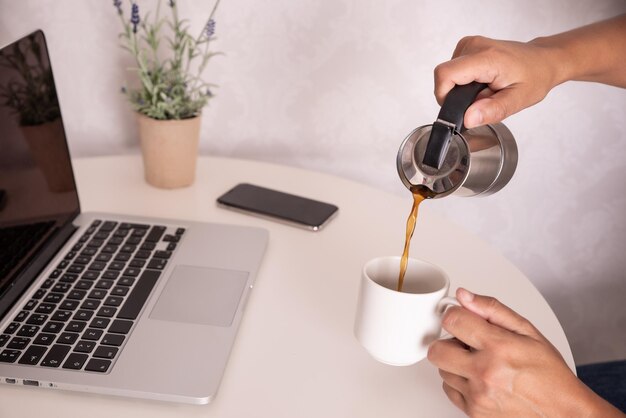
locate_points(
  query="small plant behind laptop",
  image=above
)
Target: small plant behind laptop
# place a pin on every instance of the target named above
(169, 101)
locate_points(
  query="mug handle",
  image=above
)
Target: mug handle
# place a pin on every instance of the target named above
(441, 308)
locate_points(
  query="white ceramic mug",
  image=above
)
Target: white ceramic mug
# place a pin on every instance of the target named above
(396, 328)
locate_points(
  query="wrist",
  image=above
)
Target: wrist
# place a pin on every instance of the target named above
(556, 59)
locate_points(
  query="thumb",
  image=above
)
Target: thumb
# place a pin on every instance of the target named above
(495, 312)
(494, 108)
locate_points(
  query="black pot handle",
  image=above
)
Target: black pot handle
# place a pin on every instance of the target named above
(449, 122)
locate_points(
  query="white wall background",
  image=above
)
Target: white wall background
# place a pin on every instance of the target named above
(335, 85)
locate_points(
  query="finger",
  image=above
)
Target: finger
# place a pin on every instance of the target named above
(471, 44)
(470, 328)
(463, 70)
(495, 312)
(455, 397)
(494, 108)
(451, 356)
(455, 381)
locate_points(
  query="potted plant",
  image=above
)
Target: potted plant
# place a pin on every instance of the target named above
(171, 94)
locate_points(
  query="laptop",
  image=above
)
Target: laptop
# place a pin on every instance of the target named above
(98, 302)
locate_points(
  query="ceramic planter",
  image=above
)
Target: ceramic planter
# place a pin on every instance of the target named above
(170, 150)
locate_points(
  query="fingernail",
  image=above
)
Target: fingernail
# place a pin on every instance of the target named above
(475, 118)
(465, 295)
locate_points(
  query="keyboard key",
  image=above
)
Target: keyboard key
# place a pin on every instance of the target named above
(148, 246)
(117, 265)
(3, 339)
(119, 291)
(137, 263)
(61, 287)
(103, 257)
(20, 316)
(33, 355)
(180, 231)
(157, 263)
(120, 326)
(107, 312)
(133, 241)
(18, 343)
(96, 222)
(69, 278)
(39, 294)
(83, 315)
(123, 257)
(114, 301)
(89, 251)
(53, 298)
(126, 281)
(44, 339)
(53, 327)
(69, 305)
(121, 233)
(95, 243)
(108, 226)
(90, 275)
(77, 246)
(97, 266)
(171, 246)
(75, 361)
(56, 355)
(142, 254)
(31, 304)
(113, 339)
(77, 294)
(28, 331)
(117, 241)
(45, 308)
(98, 294)
(110, 274)
(82, 259)
(90, 304)
(171, 238)
(37, 319)
(162, 254)
(100, 323)
(102, 235)
(55, 273)
(85, 346)
(93, 334)
(90, 230)
(63, 264)
(60, 315)
(139, 232)
(67, 338)
(104, 284)
(132, 271)
(76, 326)
(70, 255)
(155, 233)
(98, 365)
(13, 326)
(47, 284)
(84, 285)
(109, 249)
(105, 352)
(9, 356)
(128, 249)
(76, 268)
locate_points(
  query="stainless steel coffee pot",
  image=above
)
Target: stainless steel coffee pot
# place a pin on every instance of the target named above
(449, 159)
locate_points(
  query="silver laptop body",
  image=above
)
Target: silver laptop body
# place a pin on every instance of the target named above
(195, 279)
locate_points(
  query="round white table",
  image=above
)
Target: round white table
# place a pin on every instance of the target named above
(295, 354)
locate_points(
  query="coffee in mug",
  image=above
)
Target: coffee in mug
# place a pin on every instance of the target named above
(395, 327)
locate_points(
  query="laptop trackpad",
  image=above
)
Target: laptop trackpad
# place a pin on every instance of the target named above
(200, 295)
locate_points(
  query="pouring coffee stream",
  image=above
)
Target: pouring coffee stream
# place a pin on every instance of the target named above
(444, 158)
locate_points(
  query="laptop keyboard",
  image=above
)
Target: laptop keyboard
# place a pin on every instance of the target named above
(81, 316)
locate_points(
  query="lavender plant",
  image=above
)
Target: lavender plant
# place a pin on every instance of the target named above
(172, 87)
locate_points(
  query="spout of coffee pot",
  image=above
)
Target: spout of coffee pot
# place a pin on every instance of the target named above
(449, 122)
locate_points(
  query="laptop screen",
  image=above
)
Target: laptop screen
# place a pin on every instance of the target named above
(37, 190)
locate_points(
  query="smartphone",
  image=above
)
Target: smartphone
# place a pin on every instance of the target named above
(284, 207)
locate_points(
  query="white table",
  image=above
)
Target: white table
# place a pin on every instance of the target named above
(295, 354)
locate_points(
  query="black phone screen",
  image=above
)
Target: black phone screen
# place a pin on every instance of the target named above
(288, 207)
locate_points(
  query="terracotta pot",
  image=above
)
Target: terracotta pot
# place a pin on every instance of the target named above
(170, 150)
(49, 150)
